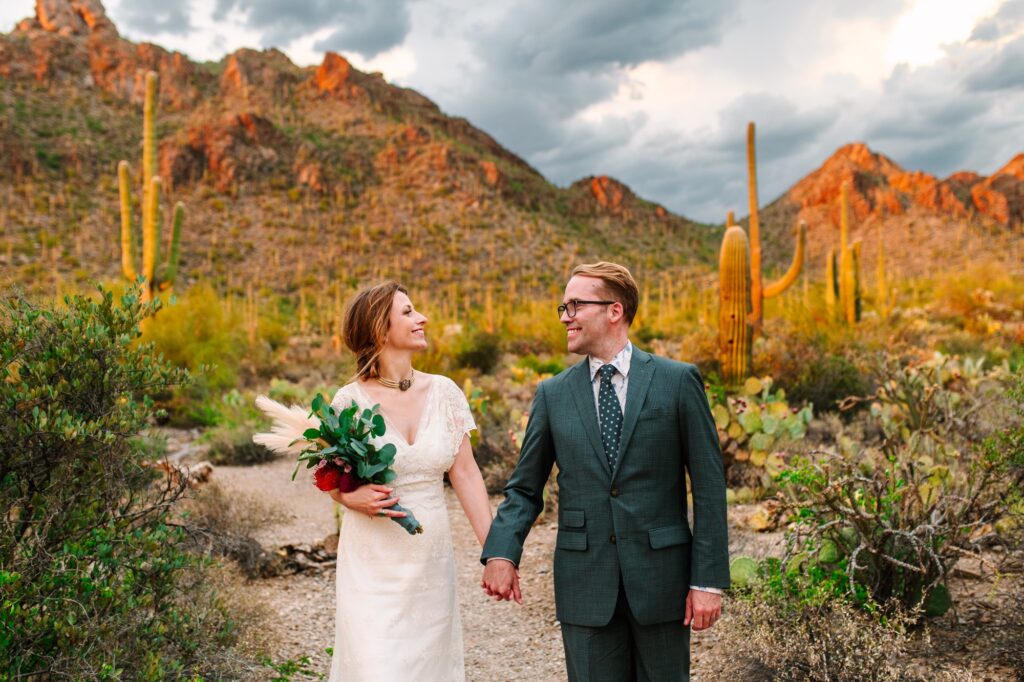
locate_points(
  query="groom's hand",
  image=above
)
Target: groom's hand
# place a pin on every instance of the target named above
(501, 581)
(703, 609)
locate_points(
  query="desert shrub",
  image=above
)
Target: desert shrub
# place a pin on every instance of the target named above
(235, 419)
(886, 524)
(784, 626)
(197, 333)
(223, 526)
(813, 367)
(480, 350)
(94, 581)
(825, 381)
(541, 367)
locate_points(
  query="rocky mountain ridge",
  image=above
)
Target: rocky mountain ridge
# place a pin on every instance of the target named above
(272, 158)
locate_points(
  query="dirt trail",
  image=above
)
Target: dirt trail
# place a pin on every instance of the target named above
(503, 641)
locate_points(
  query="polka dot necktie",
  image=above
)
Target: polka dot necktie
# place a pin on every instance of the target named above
(609, 414)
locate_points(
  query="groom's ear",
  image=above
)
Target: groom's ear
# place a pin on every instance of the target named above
(616, 312)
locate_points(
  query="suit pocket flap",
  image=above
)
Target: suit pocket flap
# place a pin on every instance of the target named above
(653, 413)
(572, 539)
(571, 518)
(668, 536)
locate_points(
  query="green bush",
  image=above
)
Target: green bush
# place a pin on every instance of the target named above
(542, 367)
(94, 583)
(199, 334)
(480, 350)
(812, 367)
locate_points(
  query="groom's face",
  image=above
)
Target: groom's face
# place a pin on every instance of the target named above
(591, 325)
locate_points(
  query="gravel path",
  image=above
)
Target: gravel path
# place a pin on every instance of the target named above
(503, 640)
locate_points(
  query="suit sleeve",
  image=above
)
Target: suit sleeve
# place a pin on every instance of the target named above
(524, 493)
(709, 559)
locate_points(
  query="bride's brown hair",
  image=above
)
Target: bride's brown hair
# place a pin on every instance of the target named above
(367, 321)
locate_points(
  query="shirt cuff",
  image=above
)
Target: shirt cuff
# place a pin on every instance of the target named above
(499, 558)
(712, 590)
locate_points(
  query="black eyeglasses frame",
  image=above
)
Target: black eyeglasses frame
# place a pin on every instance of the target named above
(574, 304)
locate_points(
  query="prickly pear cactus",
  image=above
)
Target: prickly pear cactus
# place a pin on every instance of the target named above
(751, 425)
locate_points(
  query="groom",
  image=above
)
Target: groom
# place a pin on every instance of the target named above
(624, 428)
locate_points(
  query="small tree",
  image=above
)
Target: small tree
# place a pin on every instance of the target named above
(92, 572)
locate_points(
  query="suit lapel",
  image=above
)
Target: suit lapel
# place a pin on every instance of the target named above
(582, 390)
(641, 369)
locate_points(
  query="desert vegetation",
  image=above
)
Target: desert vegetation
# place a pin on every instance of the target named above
(869, 416)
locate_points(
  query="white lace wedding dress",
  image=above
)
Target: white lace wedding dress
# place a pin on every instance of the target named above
(397, 608)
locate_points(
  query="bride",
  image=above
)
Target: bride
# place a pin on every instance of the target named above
(397, 614)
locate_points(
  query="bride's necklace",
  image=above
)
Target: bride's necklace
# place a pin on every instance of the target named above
(401, 385)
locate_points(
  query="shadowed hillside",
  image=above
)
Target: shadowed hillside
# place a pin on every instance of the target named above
(290, 175)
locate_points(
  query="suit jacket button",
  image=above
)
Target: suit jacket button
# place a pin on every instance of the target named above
(613, 539)
(615, 492)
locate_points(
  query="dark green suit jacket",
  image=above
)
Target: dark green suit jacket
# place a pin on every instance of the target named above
(631, 522)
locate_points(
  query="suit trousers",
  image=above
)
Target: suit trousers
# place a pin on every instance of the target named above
(626, 651)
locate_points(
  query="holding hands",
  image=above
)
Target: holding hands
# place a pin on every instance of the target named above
(501, 581)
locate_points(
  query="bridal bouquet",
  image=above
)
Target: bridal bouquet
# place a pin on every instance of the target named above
(337, 443)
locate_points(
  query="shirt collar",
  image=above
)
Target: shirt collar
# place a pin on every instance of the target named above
(620, 362)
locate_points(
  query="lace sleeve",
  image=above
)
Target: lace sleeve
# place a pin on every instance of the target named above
(460, 417)
(343, 397)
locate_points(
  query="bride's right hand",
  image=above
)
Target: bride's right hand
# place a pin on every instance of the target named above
(370, 499)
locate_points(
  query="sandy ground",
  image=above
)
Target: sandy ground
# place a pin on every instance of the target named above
(504, 641)
(507, 642)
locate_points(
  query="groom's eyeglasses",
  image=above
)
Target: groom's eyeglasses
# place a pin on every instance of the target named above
(570, 307)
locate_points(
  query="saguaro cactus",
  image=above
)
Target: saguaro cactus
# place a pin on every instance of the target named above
(159, 275)
(735, 337)
(849, 271)
(735, 329)
(758, 290)
(880, 280)
(831, 284)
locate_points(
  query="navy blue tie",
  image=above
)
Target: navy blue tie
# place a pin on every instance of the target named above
(609, 414)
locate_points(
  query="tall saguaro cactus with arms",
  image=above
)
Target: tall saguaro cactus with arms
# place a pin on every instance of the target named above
(159, 274)
(736, 336)
(758, 290)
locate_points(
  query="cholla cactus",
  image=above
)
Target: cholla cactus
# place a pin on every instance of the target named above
(159, 274)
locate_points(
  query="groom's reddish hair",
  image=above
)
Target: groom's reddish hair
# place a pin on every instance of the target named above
(618, 284)
(366, 326)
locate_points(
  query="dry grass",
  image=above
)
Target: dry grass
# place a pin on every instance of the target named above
(223, 525)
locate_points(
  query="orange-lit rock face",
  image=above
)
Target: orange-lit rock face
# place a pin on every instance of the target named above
(1014, 169)
(991, 203)
(333, 74)
(491, 173)
(878, 186)
(239, 147)
(607, 192)
(71, 17)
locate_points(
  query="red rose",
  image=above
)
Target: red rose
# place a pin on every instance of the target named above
(347, 482)
(327, 477)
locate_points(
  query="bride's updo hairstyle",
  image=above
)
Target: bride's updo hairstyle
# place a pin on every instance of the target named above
(367, 321)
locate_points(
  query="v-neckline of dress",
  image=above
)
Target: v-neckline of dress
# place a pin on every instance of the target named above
(391, 424)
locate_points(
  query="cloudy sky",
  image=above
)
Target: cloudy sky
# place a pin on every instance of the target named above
(657, 93)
